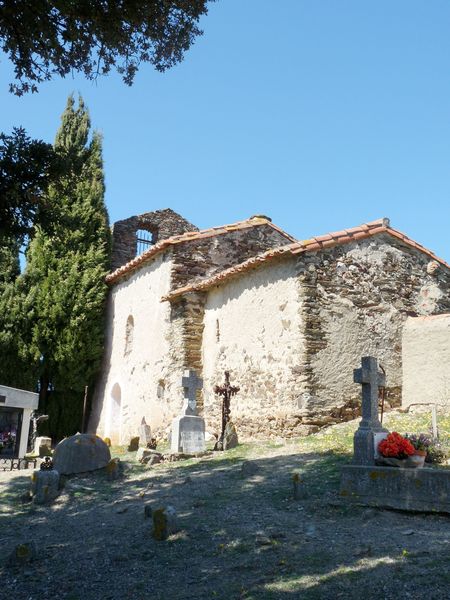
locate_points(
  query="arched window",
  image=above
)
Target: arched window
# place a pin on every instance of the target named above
(129, 332)
(144, 240)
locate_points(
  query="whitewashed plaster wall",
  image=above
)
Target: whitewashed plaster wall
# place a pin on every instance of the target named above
(252, 329)
(426, 360)
(136, 378)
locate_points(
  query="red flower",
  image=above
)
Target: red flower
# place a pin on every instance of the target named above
(396, 446)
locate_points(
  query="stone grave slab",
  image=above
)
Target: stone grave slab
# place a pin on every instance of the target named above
(188, 429)
(188, 434)
(424, 489)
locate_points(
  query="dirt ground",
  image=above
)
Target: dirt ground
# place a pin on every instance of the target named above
(241, 534)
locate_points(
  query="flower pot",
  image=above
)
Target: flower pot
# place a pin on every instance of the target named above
(419, 458)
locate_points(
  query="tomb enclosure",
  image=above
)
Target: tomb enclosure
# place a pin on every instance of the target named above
(16, 407)
(362, 482)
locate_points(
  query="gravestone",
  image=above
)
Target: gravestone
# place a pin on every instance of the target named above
(43, 446)
(370, 429)
(188, 429)
(364, 483)
(80, 453)
(44, 486)
(145, 433)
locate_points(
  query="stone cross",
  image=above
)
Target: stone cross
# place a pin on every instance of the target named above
(191, 383)
(364, 441)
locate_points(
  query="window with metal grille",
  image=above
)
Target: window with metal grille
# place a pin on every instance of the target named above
(144, 239)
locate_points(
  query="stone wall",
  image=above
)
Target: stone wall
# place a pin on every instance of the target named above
(253, 329)
(162, 224)
(205, 257)
(426, 360)
(344, 303)
(356, 298)
(136, 376)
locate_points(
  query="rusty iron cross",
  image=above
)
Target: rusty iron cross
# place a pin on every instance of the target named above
(227, 391)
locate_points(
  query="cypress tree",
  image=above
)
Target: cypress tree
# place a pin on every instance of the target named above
(64, 277)
(17, 368)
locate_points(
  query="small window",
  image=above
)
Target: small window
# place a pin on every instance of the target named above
(144, 240)
(129, 331)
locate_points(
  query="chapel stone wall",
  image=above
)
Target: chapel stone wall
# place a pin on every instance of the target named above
(207, 256)
(253, 329)
(137, 376)
(426, 361)
(356, 298)
(162, 224)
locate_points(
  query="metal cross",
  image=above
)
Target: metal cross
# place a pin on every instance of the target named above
(226, 391)
(191, 383)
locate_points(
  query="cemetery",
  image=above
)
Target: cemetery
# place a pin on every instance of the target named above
(224, 371)
(305, 517)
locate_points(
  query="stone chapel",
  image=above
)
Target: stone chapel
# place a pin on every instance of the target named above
(289, 319)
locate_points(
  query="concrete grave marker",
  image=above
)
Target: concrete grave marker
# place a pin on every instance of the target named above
(370, 427)
(188, 429)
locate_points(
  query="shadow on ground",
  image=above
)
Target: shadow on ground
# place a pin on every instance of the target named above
(241, 535)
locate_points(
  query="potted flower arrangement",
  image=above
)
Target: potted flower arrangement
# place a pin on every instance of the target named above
(421, 443)
(397, 451)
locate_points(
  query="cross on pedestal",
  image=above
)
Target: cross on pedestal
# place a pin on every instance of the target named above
(370, 379)
(191, 383)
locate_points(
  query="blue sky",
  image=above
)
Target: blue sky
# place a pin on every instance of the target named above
(320, 114)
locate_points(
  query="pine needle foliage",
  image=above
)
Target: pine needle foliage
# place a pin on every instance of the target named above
(65, 277)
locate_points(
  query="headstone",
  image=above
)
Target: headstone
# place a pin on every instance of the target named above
(43, 446)
(145, 433)
(230, 437)
(23, 553)
(134, 444)
(188, 429)
(364, 440)
(44, 486)
(81, 453)
(113, 469)
(299, 487)
(164, 522)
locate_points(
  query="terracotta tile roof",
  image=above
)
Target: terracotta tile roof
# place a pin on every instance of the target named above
(311, 245)
(188, 237)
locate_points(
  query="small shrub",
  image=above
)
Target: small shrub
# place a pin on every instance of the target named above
(437, 453)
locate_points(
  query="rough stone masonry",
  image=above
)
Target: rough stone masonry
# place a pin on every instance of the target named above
(288, 319)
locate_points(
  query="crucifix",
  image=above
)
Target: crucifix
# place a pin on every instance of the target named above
(227, 391)
(191, 383)
(35, 420)
(371, 379)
